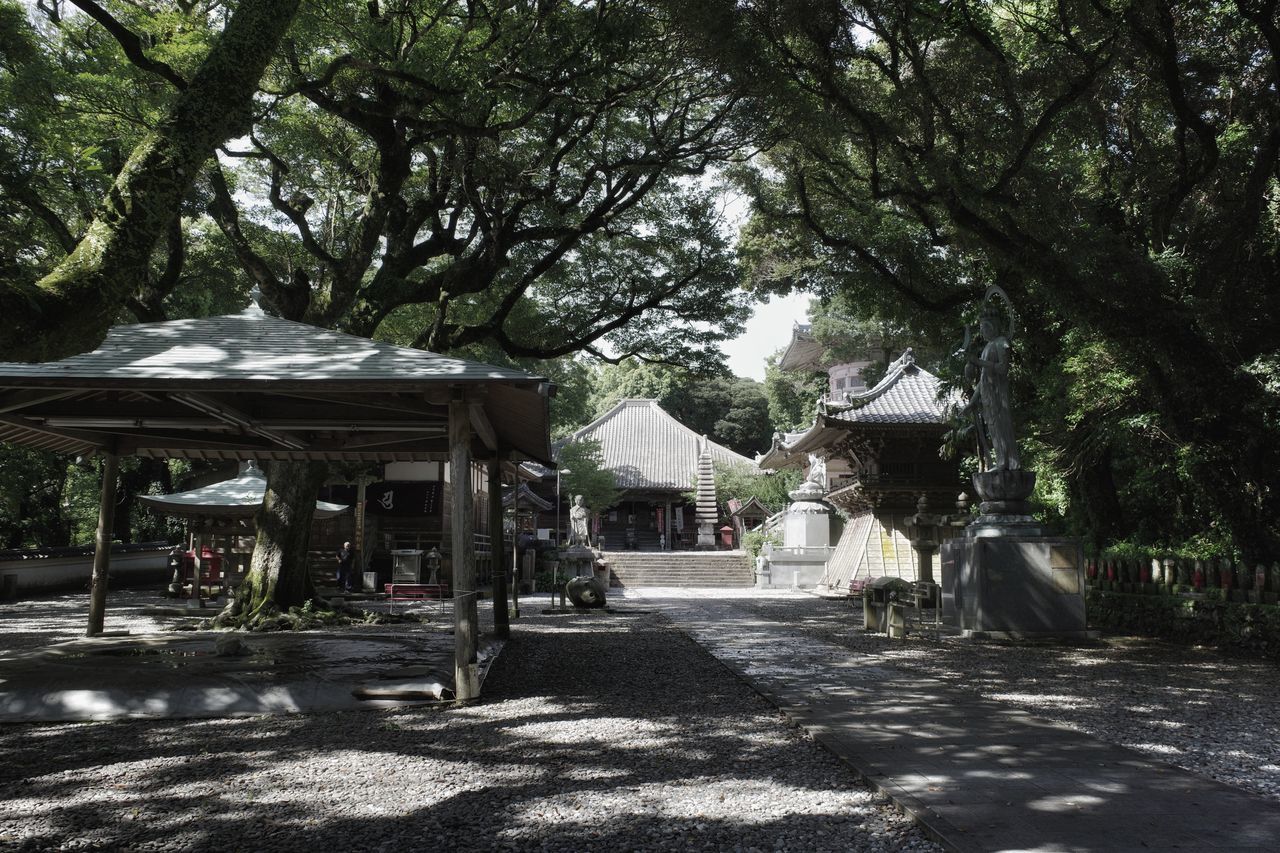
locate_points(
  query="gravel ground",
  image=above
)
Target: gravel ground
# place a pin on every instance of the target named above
(1196, 708)
(596, 733)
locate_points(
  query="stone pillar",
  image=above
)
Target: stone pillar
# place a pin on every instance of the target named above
(807, 523)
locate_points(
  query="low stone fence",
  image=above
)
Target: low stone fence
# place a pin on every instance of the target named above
(1215, 602)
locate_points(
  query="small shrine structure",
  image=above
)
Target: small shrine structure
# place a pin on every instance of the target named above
(880, 450)
(222, 514)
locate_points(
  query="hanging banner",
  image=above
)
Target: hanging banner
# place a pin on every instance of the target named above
(404, 498)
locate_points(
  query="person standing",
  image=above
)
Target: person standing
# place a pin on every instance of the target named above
(346, 567)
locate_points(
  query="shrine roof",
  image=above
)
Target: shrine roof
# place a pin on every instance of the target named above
(907, 396)
(238, 497)
(803, 352)
(250, 347)
(647, 448)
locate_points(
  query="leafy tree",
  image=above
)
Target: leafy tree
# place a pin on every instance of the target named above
(731, 410)
(791, 394)
(71, 306)
(740, 482)
(587, 475)
(1112, 166)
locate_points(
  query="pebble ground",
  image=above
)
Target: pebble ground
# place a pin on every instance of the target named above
(596, 733)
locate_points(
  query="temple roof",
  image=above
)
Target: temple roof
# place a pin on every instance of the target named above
(253, 386)
(251, 347)
(803, 352)
(646, 448)
(238, 497)
(907, 396)
(528, 498)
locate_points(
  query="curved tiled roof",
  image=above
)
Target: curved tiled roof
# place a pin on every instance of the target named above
(908, 394)
(646, 448)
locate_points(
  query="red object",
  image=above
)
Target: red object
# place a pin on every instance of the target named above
(1111, 570)
(1197, 578)
(1091, 569)
(1226, 577)
(1144, 572)
(726, 536)
(210, 564)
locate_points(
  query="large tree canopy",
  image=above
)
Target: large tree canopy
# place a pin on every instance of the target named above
(70, 308)
(1112, 165)
(527, 175)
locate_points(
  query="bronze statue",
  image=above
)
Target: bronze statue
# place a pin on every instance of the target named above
(990, 404)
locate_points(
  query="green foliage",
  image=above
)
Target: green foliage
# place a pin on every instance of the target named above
(753, 542)
(791, 395)
(1119, 184)
(587, 476)
(742, 483)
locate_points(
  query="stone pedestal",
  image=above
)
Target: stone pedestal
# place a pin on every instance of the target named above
(1006, 577)
(577, 561)
(806, 542)
(807, 523)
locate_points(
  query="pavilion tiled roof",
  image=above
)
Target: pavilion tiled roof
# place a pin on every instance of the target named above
(252, 346)
(646, 448)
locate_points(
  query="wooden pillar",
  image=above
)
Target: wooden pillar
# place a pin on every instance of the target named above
(462, 530)
(501, 615)
(515, 547)
(102, 545)
(197, 566)
(361, 486)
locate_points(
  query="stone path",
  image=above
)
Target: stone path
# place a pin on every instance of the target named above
(978, 774)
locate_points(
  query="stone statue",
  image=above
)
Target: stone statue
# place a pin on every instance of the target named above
(990, 404)
(578, 533)
(818, 470)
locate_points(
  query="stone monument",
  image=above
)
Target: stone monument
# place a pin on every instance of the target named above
(806, 536)
(578, 559)
(1006, 577)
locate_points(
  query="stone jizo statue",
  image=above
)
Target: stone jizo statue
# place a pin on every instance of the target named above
(578, 518)
(990, 404)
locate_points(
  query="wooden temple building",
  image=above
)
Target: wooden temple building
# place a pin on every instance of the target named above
(655, 461)
(881, 453)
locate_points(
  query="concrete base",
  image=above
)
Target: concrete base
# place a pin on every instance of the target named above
(1014, 586)
(785, 571)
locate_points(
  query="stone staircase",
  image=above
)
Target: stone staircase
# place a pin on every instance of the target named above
(679, 568)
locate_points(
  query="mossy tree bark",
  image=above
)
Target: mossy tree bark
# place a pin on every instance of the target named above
(70, 309)
(278, 578)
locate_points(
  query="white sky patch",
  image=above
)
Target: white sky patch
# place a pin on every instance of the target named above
(768, 331)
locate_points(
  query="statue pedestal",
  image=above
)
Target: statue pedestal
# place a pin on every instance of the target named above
(1006, 578)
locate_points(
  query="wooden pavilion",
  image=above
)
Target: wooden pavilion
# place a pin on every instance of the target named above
(252, 386)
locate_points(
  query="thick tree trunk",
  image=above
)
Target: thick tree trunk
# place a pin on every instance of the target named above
(278, 577)
(70, 310)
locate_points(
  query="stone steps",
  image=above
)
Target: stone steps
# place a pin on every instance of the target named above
(681, 568)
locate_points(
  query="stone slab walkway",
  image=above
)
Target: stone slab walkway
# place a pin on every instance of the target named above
(979, 775)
